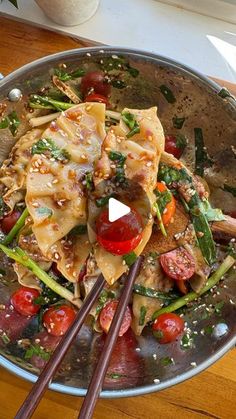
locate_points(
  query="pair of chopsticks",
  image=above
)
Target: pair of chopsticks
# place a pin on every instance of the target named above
(32, 400)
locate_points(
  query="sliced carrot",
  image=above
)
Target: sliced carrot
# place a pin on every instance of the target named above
(170, 208)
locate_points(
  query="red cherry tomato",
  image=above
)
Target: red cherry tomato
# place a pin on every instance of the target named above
(107, 314)
(167, 327)
(171, 146)
(121, 236)
(9, 221)
(178, 264)
(23, 301)
(95, 97)
(58, 319)
(231, 214)
(95, 80)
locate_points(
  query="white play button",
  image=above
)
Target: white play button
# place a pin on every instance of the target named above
(116, 210)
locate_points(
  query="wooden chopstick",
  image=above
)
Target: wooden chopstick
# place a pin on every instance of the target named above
(37, 391)
(96, 382)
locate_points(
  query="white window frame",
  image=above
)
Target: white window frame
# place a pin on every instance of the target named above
(220, 9)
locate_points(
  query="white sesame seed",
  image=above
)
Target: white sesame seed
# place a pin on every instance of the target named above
(193, 364)
(156, 380)
(49, 184)
(137, 349)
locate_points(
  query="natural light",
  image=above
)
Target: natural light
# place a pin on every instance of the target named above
(226, 50)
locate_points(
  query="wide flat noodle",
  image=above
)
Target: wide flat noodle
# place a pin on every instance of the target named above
(13, 170)
(55, 195)
(142, 151)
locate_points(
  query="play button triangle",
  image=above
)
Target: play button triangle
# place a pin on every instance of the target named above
(116, 210)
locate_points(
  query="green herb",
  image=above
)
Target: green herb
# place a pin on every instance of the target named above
(161, 225)
(143, 312)
(130, 121)
(208, 330)
(101, 202)
(166, 361)
(119, 159)
(16, 228)
(47, 144)
(158, 334)
(225, 93)
(178, 122)
(163, 198)
(64, 76)
(89, 181)
(181, 141)
(103, 298)
(11, 121)
(230, 189)
(153, 255)
(78, 230)
(118, 84)
(191, 296)
(186, 341)
(45, 102)
(36, 350)
(152, 293)
(134, 72)
(201, 156)
(167, 93)
(22, 257)
(129, 258)
(116, 376)
(44, 211)
(169, 174)
(110, 64)
(5, 338)
(218, 308)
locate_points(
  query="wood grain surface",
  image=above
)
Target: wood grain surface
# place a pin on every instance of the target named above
(211, 394)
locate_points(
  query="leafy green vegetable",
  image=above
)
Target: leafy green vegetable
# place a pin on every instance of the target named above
(44, 211)
(11, 121)
(101, 202)
(152, 293)
(45, 102)
(64, 76)
(119, 159)
(143, 312)
(230, 189)
(129, 258)
(208, 330)
(5, 338)
(201, 156)
(47, 144)
(181, 141)
(103, 298)
(161, 225)
(178, 122)
(22, 257)
(167, 93)
(36, 350)
(186, 341)
(191, 296)
(80, 229)
(118, 84)
(16, 228)
(166, 361)
(225, 93)
(89, 181)
(110, 64)
(218, 307)
(212, 214)
(130, 121)
(163, 198)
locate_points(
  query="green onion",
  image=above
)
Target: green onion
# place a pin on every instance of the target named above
(152, 293)
(178, 122)
(118, 84)
(16, 228)
(35, 349)
(143, 312)
(166, 361)
(181, 141)
(11, 121)
(225, 93)
(129, 258)
(162, 228)
(130, 121)
(101, 202)
(22, 258)
(167, 93)
(41, 102)
(64, 76)
(201, 156)
(191, 296)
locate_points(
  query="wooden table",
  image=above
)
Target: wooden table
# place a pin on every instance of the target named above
(211, 393)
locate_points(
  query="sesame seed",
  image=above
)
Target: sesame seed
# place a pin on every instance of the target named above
(49, 184)
(137, 349)
(149, 163)
(55, 181)
(193, 364)
(56, 256)
(35, 204)
(156, 380)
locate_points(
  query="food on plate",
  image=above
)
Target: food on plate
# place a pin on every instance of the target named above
(56, 189)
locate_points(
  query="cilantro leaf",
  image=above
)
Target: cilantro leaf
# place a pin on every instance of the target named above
(48, 145)
(35, 349)
(129, 258)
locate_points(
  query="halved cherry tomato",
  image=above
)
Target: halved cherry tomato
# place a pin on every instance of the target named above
(9, 221)
(95, 97)
(178, 264)
(107, 314)
(58, 319)
(23, 301)
(95, 80)
(171, 146)
(170, 208)
(182, 287)
(121, 236)
(167, 327)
